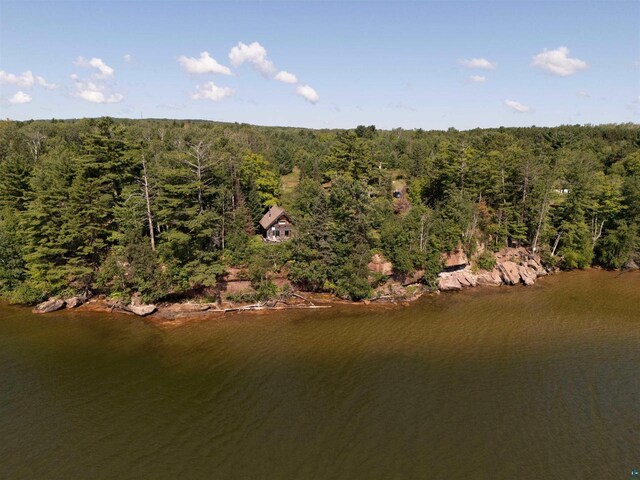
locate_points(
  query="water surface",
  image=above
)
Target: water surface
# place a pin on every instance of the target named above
(506, 383)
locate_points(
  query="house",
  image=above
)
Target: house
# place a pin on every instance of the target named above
(276, 225)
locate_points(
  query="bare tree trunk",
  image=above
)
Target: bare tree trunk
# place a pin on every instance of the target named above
(543, 212)
(596, 229)
(555, 245)
(145, 184)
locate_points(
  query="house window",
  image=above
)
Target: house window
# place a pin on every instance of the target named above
(286, 233)
(277, 232)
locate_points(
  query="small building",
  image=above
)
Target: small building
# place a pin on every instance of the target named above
(276, 225)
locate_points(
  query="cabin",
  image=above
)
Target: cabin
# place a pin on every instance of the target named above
(276, 225)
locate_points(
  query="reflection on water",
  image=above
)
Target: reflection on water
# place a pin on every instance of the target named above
(509, 383)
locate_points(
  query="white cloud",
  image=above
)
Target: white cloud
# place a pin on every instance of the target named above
(558, 62)
(583, 94)
(127, 57)
(478, 78)
(255, 54)
(26, 80)
(210, 91)
(204, 64)
(308, 93)
(517, 107)
(481, 63)
(94, 92)
(104, 71)
(286, 77)
(20, 97)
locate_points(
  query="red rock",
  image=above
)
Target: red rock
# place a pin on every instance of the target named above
(509, 272)
(455, 258)
(489, 279)
(527, 275)
(449, 283)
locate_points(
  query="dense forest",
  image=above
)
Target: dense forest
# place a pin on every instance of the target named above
(165, 207)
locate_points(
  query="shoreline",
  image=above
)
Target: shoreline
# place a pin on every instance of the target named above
(513, 266)
(176, 314)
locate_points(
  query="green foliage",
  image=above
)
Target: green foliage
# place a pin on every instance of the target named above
(486, 261)
(162, 207)
(133, 268)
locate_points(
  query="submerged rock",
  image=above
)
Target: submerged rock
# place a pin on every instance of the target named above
(142, 310)
(50, 305)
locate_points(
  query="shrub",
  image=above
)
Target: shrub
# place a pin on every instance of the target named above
(486, 261)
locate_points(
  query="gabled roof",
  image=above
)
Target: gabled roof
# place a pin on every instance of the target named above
(272, 216)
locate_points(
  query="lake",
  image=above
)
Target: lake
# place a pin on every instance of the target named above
(537, 382)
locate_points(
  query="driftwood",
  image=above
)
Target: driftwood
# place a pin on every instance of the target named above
(293, 294)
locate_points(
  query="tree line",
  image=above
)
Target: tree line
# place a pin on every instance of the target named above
(164, 207)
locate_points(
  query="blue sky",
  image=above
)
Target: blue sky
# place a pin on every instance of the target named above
(430, 65)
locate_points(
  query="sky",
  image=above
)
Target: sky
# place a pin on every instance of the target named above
(428, 64)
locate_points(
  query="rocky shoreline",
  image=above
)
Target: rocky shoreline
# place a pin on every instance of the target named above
(513, 266)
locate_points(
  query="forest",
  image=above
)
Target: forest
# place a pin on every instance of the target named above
(165, 207)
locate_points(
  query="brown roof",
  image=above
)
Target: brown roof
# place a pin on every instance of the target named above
(272, 216)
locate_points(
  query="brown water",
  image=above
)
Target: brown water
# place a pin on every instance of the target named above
(511, 383)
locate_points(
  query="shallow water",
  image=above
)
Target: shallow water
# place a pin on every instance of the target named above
(508, 383)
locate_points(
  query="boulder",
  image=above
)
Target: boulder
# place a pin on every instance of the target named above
(410, 279)
(535, 265)
(76, 301)
(509, 272)
(489, 279)
(188, 307)
(449, 283)
(142, 310)
(631, 265)
(457, 258)
(470, 279)
(527, 275)
(50, 305)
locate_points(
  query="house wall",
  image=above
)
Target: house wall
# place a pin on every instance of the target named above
(281, 228)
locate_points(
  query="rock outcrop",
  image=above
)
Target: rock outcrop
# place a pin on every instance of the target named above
(489, 279)
(449, 282)
(455, 259)
(509, 272)
(141, 310)
(379, 264)
(513, 266)
(75, 302)
(527, 275)
(188, 307)
(51, 305)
